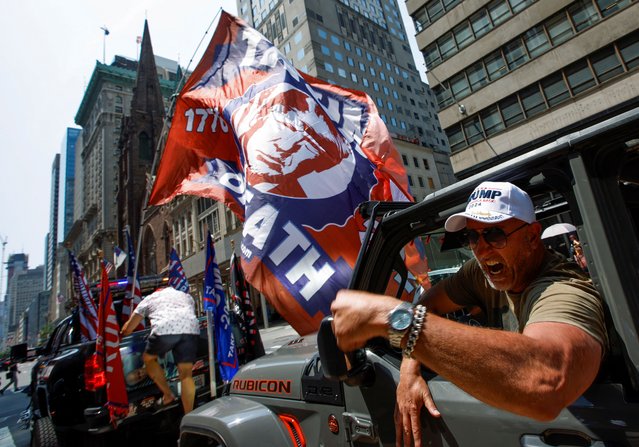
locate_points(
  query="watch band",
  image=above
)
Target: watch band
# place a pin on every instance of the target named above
(416, 329)
(396, 336)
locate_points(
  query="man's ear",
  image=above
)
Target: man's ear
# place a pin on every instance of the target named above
(534, 232)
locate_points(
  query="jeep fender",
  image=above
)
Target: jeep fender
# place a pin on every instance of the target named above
(226, 419)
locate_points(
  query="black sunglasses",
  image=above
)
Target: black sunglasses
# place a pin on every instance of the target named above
(495, 236)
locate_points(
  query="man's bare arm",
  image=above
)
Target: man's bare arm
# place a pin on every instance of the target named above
(131, 324)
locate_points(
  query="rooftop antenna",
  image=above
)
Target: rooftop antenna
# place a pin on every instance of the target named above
(106, 33)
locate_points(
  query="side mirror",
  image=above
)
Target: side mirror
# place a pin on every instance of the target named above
(334, 361)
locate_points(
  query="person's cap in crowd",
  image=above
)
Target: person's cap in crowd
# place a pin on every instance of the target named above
(493, 202)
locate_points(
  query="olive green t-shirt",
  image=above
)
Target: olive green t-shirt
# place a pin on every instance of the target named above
(561, 293)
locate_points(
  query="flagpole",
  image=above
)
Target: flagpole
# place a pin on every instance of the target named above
(210, 326)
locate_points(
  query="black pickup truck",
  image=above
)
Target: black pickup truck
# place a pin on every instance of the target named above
(68, 404)
(297, 397)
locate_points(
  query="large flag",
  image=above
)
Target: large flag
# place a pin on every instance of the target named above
(291, 155)
(177, 277)
(86, 306)
(132, 292)
(214, 300)
(107, 352)
(253, 347)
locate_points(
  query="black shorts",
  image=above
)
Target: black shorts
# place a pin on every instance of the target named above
(184, 346)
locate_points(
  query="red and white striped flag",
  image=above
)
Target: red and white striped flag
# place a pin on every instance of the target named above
(86, 306)
(107, 351)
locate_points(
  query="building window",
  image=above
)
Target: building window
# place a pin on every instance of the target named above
(583, 14)
(421, 181)
(477, 76)
(536, 41)
(410, 180)
(405, 160)
(608, 7)
(515, 54)
(559, 28)
(328, 67)
(480, 23)
(532, 101)
(323, 34)
(463, 34)
(459, 86)
(511, 110)
(416, 162)
(455, 137)
(606, 64)
(555, 89)
(491, 120)
(431, 183)
(629, 49)
(325, 50)
(426, 165)
(499, 11)
(495, 65)
(472, 129)
(579, 77)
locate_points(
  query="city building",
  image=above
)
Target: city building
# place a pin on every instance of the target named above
(363, 45)
(29, 284)
(51, 247)
(511, 75)
(16, 265)
(67, 182)
(106, 101)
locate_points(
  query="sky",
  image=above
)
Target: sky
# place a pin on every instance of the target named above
(49, 49)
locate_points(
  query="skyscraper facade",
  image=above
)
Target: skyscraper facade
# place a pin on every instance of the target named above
(16, 265)
(67, 182)
(512, 75)
(362, 45)
(52, 237)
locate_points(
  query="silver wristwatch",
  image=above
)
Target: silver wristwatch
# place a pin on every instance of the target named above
(400, 320)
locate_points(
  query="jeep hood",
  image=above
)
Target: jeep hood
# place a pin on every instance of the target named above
(278, 374)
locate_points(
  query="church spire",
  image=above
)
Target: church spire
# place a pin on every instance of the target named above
(147, 96)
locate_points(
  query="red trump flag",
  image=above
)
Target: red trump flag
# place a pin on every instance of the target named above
(291, 155)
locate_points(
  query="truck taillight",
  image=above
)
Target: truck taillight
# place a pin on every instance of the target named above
(294, 430)
(94, 375)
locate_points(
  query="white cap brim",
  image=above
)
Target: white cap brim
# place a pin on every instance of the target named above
(457, 222)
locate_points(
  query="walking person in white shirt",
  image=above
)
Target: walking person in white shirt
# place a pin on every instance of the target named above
(174, 327)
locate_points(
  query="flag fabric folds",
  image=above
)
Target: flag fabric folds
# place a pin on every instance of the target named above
(132, 292)
(118, 256)
(214, 300)
(252, 347)
(86, 306)
(107, 351)
(177, 277)
(291, 155)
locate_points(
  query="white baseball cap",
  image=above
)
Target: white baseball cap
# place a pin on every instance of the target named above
(493, 202)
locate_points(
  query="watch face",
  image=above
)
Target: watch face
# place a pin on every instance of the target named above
(401, 319)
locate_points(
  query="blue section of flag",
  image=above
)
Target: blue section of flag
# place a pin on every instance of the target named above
(177, 278)
(214, 300)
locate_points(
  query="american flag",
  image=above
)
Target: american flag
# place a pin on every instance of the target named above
(132, 293)
(177, 278)
(86, 306)
(108, 266)
(107, 351)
